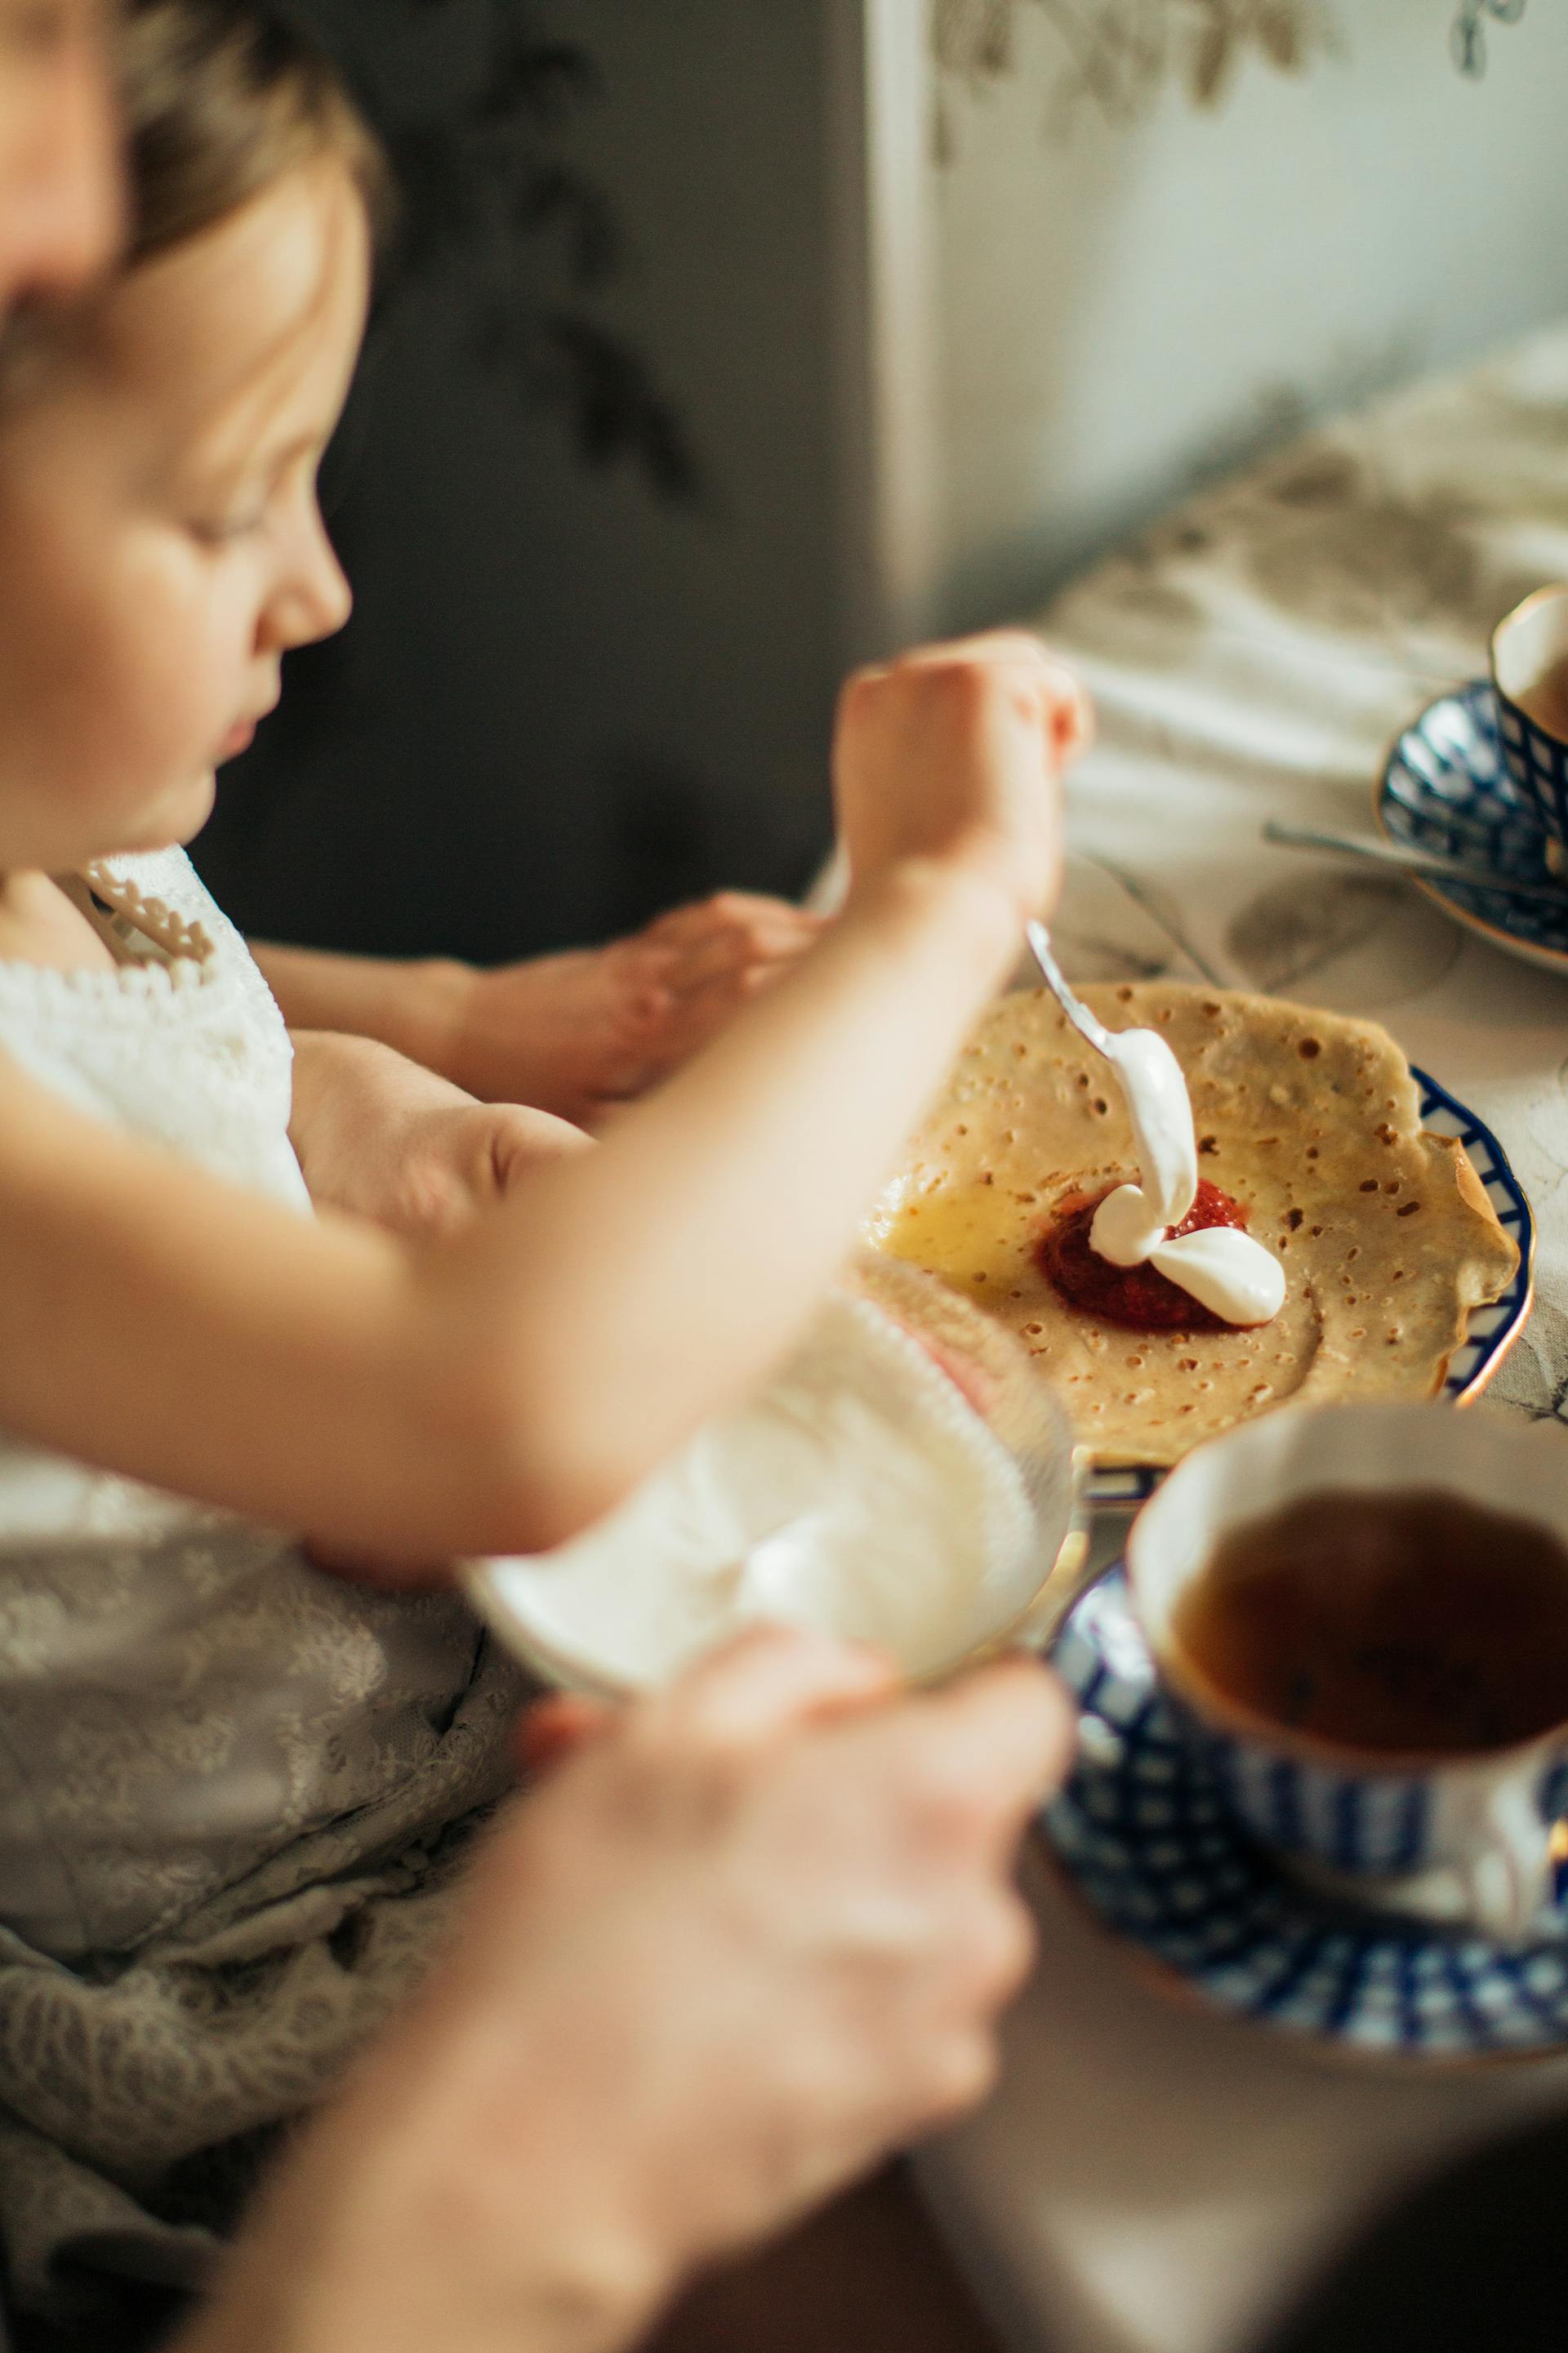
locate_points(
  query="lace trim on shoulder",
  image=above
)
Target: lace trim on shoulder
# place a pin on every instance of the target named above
(188, 957)
(152, 917)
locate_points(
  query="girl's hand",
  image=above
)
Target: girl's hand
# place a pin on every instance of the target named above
(951, 757)
(378, 1137)
(754, 1933)
(578, 1033)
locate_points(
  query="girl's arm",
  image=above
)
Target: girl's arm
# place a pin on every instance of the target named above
(501, 1391)
(379, 1136)
(575, 1033)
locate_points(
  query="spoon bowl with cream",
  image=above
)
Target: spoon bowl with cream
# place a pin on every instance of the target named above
(1221, 1267)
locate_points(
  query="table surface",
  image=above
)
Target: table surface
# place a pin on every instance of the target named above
(1150, 2178)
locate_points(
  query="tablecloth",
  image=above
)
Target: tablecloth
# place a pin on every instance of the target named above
(1150, 2179)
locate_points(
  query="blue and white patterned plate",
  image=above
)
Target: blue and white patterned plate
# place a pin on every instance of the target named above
(1140, 1833)
(1447, 788)
(1492, 1330)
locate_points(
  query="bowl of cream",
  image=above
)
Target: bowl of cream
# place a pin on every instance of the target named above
(903, 1479)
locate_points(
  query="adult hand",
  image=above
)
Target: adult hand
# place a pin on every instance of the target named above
(754, 1932)
(951, 757)
(580, 1032)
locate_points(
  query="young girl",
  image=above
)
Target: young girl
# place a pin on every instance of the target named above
(226, 1782)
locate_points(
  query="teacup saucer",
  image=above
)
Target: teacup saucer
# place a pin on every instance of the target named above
(1491, 1331)
(1142, 1835)
(1447, 788)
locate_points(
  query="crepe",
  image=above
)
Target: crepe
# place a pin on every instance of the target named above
(1310, 1121)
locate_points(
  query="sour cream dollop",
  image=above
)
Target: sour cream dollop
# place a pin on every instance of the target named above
(1222, 1269)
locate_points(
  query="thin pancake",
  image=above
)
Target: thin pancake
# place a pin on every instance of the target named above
(1310, 1121)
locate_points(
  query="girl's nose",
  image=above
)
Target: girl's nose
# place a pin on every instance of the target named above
(314, 598)
(61, 196)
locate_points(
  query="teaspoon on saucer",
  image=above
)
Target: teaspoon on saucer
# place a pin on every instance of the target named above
(1411, 861)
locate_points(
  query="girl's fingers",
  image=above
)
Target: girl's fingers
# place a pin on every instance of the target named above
(687, 1023)
(1072, 713)
(674, 1001)
(725, 954)
(726, 911)
(1020, 645)
(697, 1016)
(658, 982)
(1072, 722)
(763, 976)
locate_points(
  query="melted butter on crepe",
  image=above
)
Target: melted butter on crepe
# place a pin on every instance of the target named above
(1310, 1121)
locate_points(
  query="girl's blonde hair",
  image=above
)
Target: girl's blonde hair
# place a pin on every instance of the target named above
(220, 101)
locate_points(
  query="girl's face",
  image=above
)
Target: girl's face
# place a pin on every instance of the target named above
(161, 547)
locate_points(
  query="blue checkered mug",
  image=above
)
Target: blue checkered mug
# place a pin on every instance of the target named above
(1530, 680)
(1471, 1837)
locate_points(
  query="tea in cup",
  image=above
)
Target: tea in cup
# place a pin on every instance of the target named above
(1530, 679)
(1362, 1615)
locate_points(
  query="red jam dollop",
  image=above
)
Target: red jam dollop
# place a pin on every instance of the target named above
(1138, 1298)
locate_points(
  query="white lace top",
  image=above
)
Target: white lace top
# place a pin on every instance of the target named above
(182, 1044)
(181, 1695)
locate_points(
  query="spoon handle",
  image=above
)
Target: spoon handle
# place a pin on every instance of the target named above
(1077, 1011)
(1409, 861)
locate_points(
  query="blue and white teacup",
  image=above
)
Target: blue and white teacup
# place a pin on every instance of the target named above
(1530, 680)
(1467, 1839)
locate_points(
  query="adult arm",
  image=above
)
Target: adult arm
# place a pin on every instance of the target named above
(752, 1937)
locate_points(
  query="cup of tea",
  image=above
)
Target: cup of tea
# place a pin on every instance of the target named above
(1360, 1613)
(1530, 679)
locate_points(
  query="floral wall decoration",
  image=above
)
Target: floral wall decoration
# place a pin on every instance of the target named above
(1117, 56)
(493, 207)
(1471, 29)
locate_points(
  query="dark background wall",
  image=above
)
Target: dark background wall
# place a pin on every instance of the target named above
(561, 702)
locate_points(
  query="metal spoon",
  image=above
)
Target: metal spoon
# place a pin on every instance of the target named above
(1103, 1039)
(1411, 861)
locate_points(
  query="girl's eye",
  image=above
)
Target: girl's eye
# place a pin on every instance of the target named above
(231, 528)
